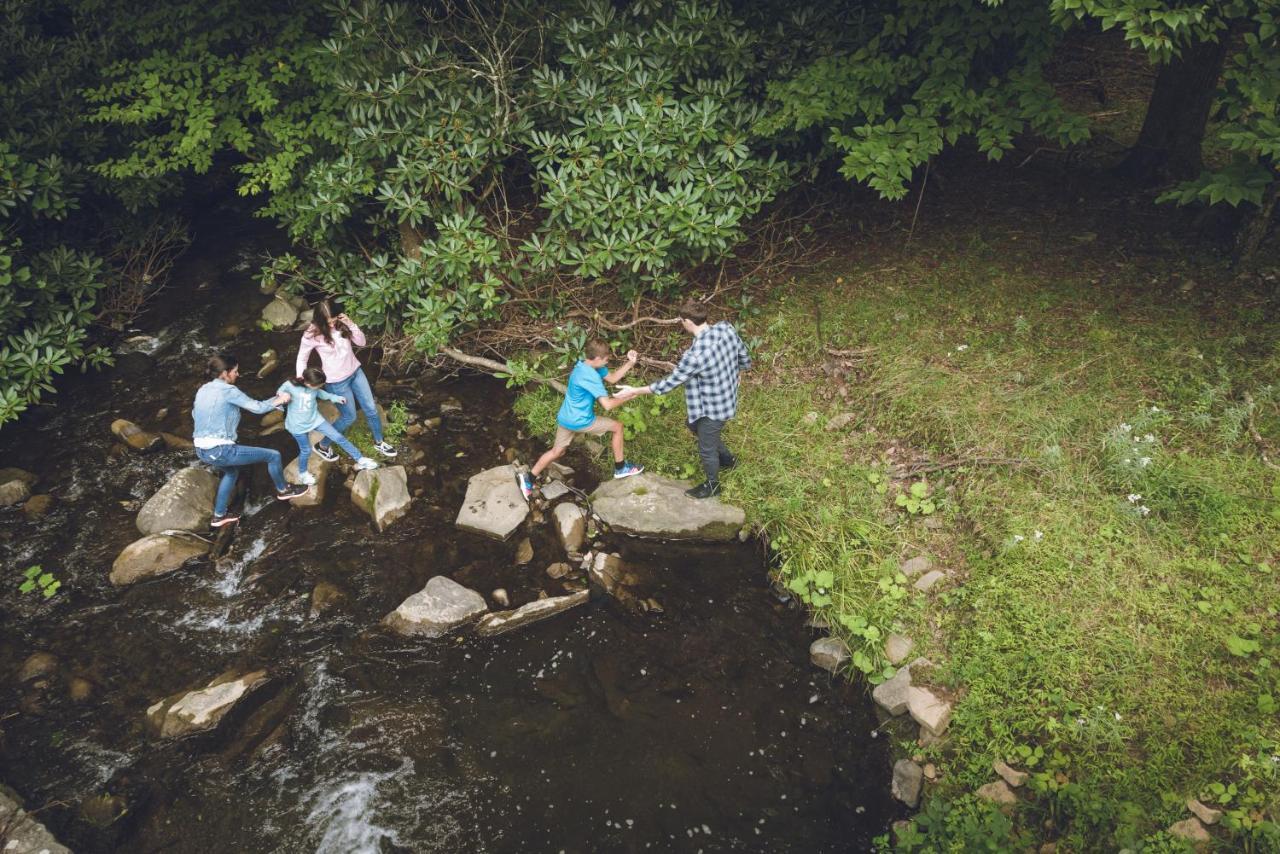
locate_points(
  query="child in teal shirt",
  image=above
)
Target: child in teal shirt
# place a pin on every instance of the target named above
(578, 412)
(303, 416)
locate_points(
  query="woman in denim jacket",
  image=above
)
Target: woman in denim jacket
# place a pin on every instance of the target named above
(217, 416)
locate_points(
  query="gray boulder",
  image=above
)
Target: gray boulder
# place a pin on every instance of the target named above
(571, 525)
(185, 503)
(280, 312)
(189, 712)
(155, 554)
(440, 607)
(493, 505)
(908, 777)
(316, 465)
(504, 621)
(649, 505)
(383, 493)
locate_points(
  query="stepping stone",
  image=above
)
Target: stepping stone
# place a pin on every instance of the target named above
(438, 608)
(185, 503)
(649, 505)
(493, 505)
(316, 465)
(571, 525)
(383, 493)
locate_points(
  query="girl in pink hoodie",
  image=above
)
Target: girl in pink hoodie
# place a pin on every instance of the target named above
(334, 336)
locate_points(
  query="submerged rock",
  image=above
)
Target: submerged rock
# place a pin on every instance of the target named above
(280, 312)
(440, 607)
(155, 554)
(37, 666)
(21, 833)
(270, 361)
(185, 503)
(14, 492)
(524, 552)
(383, 493)
(505, 621)
(493, 505)
(176, 443)
(134, 436)
(828, 653)
(324, 598)
(571, 525)
(190, 712)
(37, 505)
(649, 505)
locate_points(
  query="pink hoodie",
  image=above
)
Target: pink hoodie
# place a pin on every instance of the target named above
(337, 360)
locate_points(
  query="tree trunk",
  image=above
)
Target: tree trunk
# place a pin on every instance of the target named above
(1253, 231)
(1169, 145)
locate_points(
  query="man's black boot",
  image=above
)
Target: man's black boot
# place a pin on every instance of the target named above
(706, 489)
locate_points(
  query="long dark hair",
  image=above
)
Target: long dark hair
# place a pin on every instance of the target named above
(221, 362)
(320, 319)
(310, 377)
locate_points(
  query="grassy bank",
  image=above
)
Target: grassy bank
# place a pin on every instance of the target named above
(1078, 423)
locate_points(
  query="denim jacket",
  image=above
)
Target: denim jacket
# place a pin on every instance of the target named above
(217, 410)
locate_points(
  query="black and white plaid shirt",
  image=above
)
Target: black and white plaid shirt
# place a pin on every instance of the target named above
(709, 372)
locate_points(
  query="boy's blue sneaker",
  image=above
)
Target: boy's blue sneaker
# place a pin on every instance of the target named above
(626, 470)
(526, 484)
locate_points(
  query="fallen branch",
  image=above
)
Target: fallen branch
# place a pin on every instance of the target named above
(1262, 444)
(493, 366)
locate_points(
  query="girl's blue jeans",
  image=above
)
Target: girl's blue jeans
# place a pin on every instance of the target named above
(227, 460)
(330, 435)
(356, 390)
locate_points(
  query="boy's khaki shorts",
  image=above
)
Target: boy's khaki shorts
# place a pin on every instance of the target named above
(564, 436)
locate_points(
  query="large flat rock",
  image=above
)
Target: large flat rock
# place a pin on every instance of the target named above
(189, 712)
(383, 493)
(649, 505)
(20, 833)
(155, 554)
(440, 607)
(493, 505)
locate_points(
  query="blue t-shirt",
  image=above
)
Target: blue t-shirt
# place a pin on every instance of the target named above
(586, 384)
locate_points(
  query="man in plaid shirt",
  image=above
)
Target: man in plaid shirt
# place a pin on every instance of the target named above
(708, 370)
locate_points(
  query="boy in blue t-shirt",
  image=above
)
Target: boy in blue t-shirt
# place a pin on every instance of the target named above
(577, 413)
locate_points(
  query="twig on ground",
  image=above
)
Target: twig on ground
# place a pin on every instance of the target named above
(1263, 446)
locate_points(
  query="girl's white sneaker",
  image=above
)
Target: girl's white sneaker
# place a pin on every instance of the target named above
(365, 464)
(307, 479)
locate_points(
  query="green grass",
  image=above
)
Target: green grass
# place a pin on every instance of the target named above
(393, 428)
(1124, 658)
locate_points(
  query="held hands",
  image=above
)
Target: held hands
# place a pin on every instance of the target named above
(281, 399)
(341, 401)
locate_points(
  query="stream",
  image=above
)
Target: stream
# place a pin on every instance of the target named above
(700, 727)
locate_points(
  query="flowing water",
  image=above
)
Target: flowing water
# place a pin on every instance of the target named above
(700, 728)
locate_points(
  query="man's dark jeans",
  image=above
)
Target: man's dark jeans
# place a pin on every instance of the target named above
(711, 449)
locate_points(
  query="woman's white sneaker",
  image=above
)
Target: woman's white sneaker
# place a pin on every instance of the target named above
(365, 464)
(307, 478)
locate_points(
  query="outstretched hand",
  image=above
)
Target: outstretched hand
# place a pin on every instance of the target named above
(341, 401)
(632, 356)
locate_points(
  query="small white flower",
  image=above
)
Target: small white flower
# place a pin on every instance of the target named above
(1144, 461)
(1117, 716)
(1155, 409)
(1127, 460)
(1017, 538)
(1080, 721)
(1126, 428)
(1144, 510)
(960, 348)
(1039, 535)
(1148, 438)
(1134, 497)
